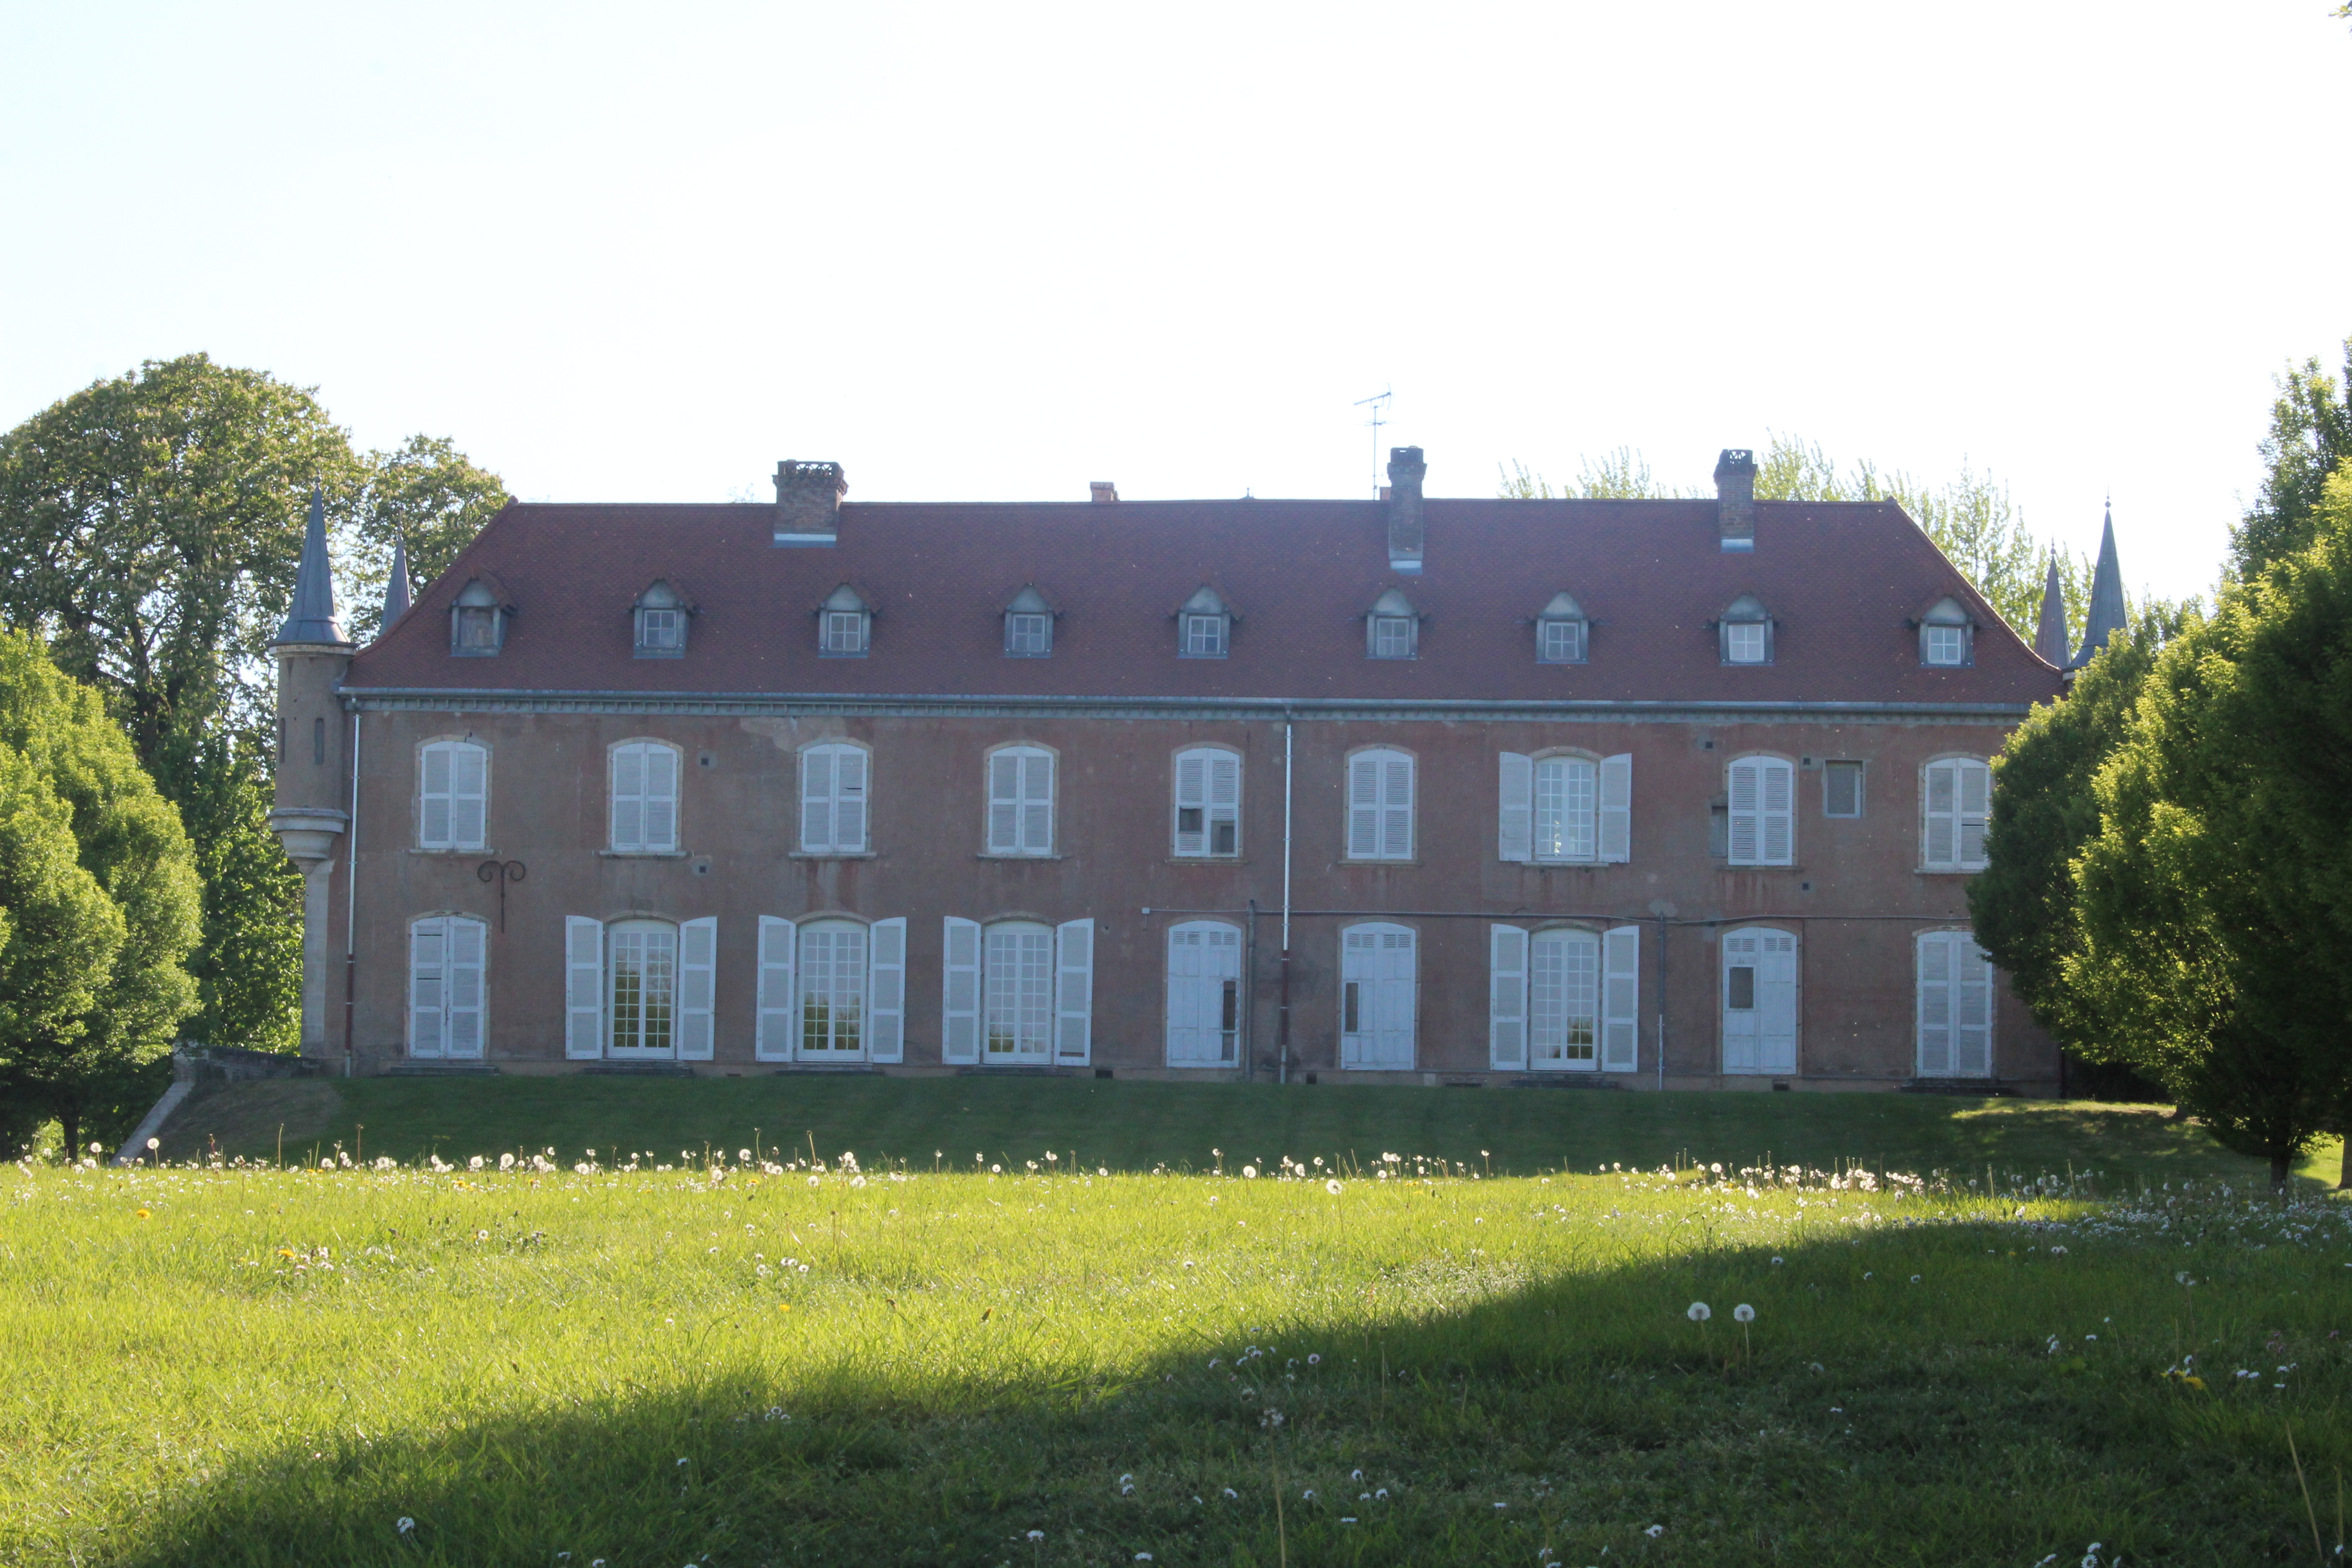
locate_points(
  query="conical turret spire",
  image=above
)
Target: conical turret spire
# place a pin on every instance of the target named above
(2050, 631)
(2107, 613)
(396, 589)
(311, 617)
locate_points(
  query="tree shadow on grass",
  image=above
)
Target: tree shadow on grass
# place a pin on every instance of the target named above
(1864, 1417)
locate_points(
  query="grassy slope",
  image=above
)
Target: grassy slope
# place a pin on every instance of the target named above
(1135, 1126)
(526, 1367)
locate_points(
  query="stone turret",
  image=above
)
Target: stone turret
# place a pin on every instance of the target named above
(313, 768)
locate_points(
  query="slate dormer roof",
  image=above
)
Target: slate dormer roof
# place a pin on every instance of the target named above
(1841, 579)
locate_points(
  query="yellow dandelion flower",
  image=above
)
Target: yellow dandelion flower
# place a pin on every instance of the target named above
(145, 1214)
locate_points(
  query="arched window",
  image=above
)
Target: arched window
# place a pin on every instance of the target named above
(447, 954)
(644, 797)
(1020, 801)
(833, 980)
(1567, 809)
(1208, 803)
(1564, 999)
(834, 799)
(1956, 798)
(1379, 982)
(452, 794)
(1017, 992)
(1763, 796)
(1955, 1005)
(641, 974)
(1759, 1001)
(1380, 805)
(1204, 994)
(832, 991)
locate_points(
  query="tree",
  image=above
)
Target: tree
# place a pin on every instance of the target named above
(427, 496)
(2310, 435)
(97, 1064)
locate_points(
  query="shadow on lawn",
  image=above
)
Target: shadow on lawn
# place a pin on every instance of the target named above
(1876, 1420)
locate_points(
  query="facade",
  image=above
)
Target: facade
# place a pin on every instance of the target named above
(1658, 793)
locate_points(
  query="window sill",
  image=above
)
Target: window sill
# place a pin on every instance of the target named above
(454, 854)
(824, 654)
(1352, 860)
(1760, 866)
(986, 855)
(642, 855)
(1564, 865)
(830, 854)
(1207, 860)
(1947, 870)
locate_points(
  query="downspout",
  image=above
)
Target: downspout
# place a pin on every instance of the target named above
(1282, 1029)
(1248, 1008)
(1663, 928)
(352, 908)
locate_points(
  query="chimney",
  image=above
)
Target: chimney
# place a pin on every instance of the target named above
(808, 502)
(1402, 501)
(1735, 498)
(1104, 491)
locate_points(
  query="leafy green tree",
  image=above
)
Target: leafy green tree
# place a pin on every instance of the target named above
(2310, 435)
(99, 1067)
(428, 495)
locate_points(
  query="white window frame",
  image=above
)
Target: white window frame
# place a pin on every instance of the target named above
(781, 1002)
(1028, 634)
(1204, 992)
(1206, 634)
(655, 816)
(649, 949)
(1937, 639)
(445, 814)
(1746, 642)
(1566, 808)
(1202, 775)
(1017, 982)
(1370, 1001)
(843, 633)
(837, 814)
(832, 956)
(661, 629)
(1744, 1051)
(1020, 819)
(1955, 809)
(1553, 631)
(1392, 637)
(1834, 767)
(1762, 791)
(1378, 825)
(1957, 1000)
(448, 987)
(1548, 987)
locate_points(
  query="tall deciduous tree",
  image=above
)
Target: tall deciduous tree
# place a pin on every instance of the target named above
(2310, 437)
(426, 496)
(89, 1056)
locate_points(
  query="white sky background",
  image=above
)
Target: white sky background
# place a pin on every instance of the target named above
(993, 253)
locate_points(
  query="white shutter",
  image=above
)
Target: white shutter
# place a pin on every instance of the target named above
(1364, 807)
(1620, 999)
(959, 982)
(885, 990)
(1224, 796)
(1004, 802)
(1187, 1036)
(1506, 1000)
(1942, 804)
(468, 938)
(433, 798)
(1617, 807)
(661, 798)
(628, 797)
(1776, 1001)
(1516, 831)
(1074, 990)
(1037, 804)
(1972, 996)
(774, 1035)
(1976, 792)
(1396, 807)
(1397, 1007)
(584, 988)
(1935, 1003)
(849, 814)
(1779, 812)
(816, 800)
(469, 794)
(1747, 793)
(427, 1001)
(697, 980)
(1192, 793)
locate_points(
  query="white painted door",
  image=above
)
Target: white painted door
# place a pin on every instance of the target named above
(1204, 982)
(1955, 1006)
(1759, 1001)
(1379, 979)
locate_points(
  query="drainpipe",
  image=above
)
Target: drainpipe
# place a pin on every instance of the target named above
(1282, 1031)
(1663, 929)
(352, 907)
(1248, 1008)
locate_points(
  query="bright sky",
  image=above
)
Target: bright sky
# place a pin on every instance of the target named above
(985, 252)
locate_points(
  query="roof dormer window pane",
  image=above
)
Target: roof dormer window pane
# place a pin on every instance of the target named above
(1391, 637)
(845, 631)
(1561, 642)
(1028, 635)
(1743, 642)
(664, 629)
(1204, 637)
(1946, 645)
(478, 628)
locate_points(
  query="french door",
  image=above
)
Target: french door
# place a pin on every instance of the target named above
(1379, 982)
(1204, 982)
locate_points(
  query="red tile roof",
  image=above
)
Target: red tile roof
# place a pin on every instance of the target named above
(1841, 580)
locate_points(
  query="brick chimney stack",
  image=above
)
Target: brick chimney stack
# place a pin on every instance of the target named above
(1735, 498)
(808, 502)
(1403, 500)
(1103, 491)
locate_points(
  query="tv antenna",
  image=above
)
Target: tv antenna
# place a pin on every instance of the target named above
(1378, 403)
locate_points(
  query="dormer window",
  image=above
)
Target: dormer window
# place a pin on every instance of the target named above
(1559, 632)
(1947, 634)
(1391, 629)
(844, 625)
(1204, 625)
(478, 619)
(661, 614)
(1746, 630)
(1028, 625)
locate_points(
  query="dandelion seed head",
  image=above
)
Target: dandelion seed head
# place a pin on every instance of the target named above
(1655, 1530)
(1249, 1172)
(1699, 1312)
(1333, 1187)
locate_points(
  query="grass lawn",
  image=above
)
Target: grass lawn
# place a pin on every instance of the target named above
(241, 1365)
(1135, 1126)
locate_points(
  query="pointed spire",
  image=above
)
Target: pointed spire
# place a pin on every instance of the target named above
(2049, 632)
(395, 588)
(2107, 614)
(311, 617)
